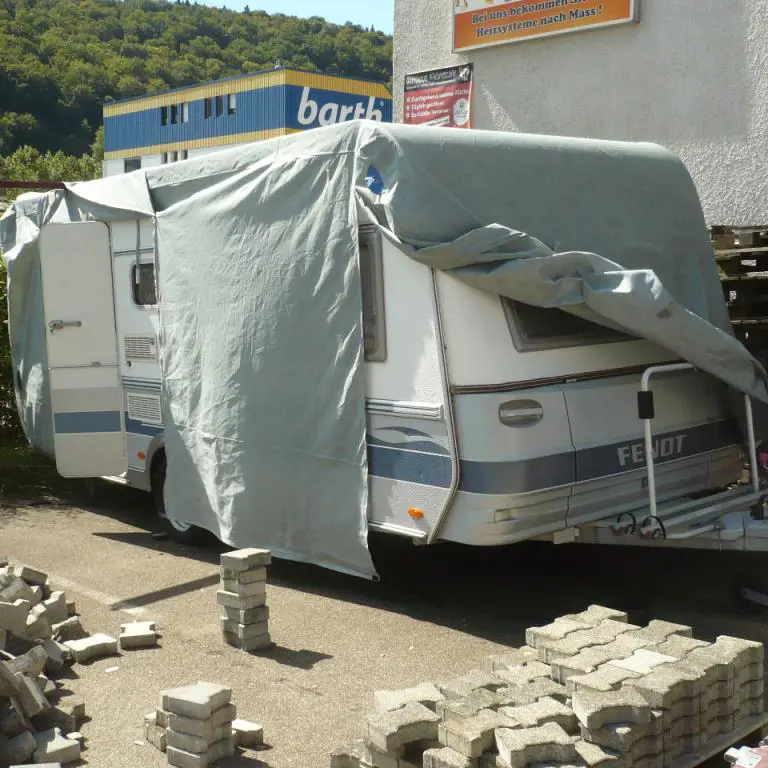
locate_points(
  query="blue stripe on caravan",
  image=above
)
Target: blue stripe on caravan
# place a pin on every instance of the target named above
(139, 428)
(87, 422)
(411, 466)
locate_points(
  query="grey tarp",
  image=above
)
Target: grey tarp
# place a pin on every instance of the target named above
(261, 333)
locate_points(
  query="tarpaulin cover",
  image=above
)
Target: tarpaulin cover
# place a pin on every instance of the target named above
(260, 297)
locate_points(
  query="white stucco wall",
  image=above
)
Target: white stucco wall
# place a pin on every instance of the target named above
(692, 75)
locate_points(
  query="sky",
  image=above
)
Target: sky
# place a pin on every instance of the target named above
(380, 13)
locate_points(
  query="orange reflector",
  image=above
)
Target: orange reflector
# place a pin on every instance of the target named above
(416, 514)
(142, 455)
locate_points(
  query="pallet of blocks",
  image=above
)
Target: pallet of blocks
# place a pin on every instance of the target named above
(589, 690)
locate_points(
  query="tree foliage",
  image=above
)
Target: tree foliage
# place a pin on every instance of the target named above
(60, 60)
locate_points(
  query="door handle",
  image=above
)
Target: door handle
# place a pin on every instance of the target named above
(59, 325)
(520, 413)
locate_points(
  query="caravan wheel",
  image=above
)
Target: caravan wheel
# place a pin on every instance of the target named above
(183, 533)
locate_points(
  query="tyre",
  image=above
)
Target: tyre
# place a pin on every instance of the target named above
(183, 533)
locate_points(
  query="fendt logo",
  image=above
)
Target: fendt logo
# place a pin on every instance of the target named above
(331, 112)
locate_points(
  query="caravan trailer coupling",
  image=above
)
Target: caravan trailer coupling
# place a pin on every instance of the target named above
(624, 529)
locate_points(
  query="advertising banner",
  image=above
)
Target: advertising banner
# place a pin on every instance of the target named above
(482, 23)
(439, 97)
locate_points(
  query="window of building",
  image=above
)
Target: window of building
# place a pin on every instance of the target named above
(184, 154)
(185, 112)
(231, 104)
(131, 164)
(143, 282)
(163, 115)
(207, 108)
(174, 114)
(164, 158)
(173, 157)
(543, 328)
(372, 280)
(219, 106)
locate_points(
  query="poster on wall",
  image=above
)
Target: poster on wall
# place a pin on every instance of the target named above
(482, 23)
(439, 97)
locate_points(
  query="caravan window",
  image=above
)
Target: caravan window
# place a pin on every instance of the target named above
(371, 277)
(143, 283)
(542, 328)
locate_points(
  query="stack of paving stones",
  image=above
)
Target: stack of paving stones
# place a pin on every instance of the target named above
(197, 725)
(589, 690)
(243, 599)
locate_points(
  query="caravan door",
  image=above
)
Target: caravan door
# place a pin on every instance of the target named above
(79, 311)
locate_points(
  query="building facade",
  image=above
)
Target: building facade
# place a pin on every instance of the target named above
(186, 122)
(692, 76)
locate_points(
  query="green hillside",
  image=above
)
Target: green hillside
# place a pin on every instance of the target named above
(61, 59)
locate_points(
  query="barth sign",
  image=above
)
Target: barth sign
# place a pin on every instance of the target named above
(482, 23)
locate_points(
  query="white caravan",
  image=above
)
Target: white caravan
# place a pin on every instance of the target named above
(488, 421)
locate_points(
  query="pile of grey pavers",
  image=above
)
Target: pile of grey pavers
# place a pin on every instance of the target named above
(41, 634)
(589, 690)
(243, 599)
(196, 725)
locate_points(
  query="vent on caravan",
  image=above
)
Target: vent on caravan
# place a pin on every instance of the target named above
(140, 348)
(145, 408)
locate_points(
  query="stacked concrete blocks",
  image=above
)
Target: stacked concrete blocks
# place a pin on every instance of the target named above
(243, 599)
(589, 690)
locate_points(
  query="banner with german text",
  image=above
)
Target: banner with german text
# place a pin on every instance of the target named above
(439, 97)
(481, 23)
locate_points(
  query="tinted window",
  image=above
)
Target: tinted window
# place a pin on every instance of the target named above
(143, 282)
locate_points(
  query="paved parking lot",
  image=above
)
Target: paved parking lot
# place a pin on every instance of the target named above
(435, 614)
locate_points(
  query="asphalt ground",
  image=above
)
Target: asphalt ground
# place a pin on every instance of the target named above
(434, 615)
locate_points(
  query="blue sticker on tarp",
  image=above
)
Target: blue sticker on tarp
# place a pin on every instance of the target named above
(373, 180)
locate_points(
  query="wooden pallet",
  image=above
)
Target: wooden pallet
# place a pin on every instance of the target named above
(754, 727)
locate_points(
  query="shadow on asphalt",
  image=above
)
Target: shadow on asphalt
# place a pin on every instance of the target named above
(492, 593)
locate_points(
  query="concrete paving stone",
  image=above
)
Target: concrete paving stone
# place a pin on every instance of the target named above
(247, 734)
(38, 625)
(348, 756)
(233, 600)
(198, 701)
(52, 746)
(38, 594)
(155, 734)
(3, 638)
(546, 710)
(658, 631)
(595, 756)
(47, 687)
(58, 655)
(38, 765)
(17, 590)
(605, 678)
(251, 576)
(426, 694)
(536, 637)
(461, 709)
(517, 695)
(197, 744)
(749, 674)
(12, 724)
(244, 631)
(17, 749)
(69, 629)
(667, 684)
(251, 616)
(521, 746)
(618, 737)
(56, 607)
(727, 724)
(681, 727)
(749, 708)
(76, 736)
(589, 659)
(30, 697)
(256, 589)
(93, 647)
(247, 644)
(13, 616)
(137, 634)
(679, 646)
(32, 576)
(712, 669)
(515, 657)
(182, 759)
(245, 559)
(391, 731)
(477, 678)
(376, 759)
(9, 685)
(202, 728)
(31, 663)
(648, 745)
(571, 644)
(595, 614)
(690, 707)
(745, 652)
(71, 608)
(525, 674)
(693, 742)
(544, 686)
(472, 736)
(748, 690)
(596, 709)
(445, 757)
(650, 761)
(643, 661)
(162, 717)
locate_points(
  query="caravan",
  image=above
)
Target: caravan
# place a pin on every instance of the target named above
(488, 420)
